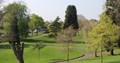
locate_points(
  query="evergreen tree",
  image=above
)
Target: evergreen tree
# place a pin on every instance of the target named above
(55, 27)
(71, 17)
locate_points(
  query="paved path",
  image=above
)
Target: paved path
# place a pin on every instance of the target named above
(81, 58)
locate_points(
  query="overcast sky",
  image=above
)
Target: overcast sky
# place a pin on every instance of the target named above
(50, 9)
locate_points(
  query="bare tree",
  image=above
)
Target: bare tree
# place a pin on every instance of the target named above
(39, 46)
(66, 37)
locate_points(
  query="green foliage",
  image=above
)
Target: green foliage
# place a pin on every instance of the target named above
(23, 26)
(112, 10)
(104, 32)
(6, 26)
(32, 25)
(71, 17)
(39, 46)
(20, 11)
(55, 27)
(36, 22)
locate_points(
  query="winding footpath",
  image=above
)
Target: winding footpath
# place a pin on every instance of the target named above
(87, 55)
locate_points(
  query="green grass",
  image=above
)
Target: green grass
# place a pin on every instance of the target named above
(78, 38)
(106, 59)
(50, 53)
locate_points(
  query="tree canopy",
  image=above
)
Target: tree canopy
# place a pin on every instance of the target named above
(112, 10)
(103, 33)
(55, 27)
(21, 14)
(36, 22)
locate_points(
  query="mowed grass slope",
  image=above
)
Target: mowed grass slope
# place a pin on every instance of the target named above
(106, 59)
(50, 53)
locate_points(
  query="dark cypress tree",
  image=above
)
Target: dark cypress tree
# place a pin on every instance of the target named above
(71, 17)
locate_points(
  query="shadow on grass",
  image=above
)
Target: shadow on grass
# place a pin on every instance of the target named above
(56, 60)
(46, 41)
(36, 41)
(117, 54)
(30, 40)
(7, 46)
(114, 62)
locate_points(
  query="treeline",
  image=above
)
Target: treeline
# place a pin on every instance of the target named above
(16, 23)
(27, 23)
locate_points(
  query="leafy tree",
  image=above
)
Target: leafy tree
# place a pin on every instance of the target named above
(55, 27)
(46, 26)
(1, 16)
(13, 21)
(6, 26)
(14, 39)
(113, 11)
(23, 26)
(21, 14)
(2, 12)
(31, 26)
(71, 17)
(36, 22)
(103, 33)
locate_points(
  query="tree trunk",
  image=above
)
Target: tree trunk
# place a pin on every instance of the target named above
(68, 52)
(18, 50)
(20, 60)
(95, 53)
(39, 54)
(32, 33)
(112, 52)
(37, 31)
(101, 55)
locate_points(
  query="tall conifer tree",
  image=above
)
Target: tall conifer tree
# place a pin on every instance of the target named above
(71, 17)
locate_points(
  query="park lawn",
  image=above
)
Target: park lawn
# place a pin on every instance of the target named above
(79, 38)
(50, 53)
(106, 59)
